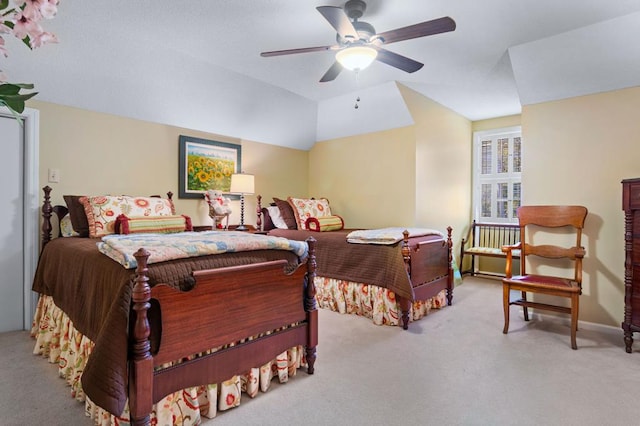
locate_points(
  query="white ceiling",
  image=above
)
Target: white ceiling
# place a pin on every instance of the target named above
(197, 64)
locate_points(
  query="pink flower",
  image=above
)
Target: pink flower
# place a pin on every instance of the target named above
(31, 9)
(20, 18)
(43, 38)
(26, 27)
(4, 51)
(48, 9)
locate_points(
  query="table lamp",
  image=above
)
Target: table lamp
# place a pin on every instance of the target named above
(242, 183)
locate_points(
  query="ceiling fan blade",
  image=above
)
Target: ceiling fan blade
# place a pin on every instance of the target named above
(398, 61)
(294, 51)
(339, 20)
(332, 72)
(436, 26)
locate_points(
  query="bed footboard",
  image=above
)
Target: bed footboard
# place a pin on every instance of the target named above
(430, 268)
(225, 305)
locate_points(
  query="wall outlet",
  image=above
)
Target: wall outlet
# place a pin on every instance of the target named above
(54, 175)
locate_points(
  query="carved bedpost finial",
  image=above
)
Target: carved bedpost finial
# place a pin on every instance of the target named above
(46, 216)
(141, 365)
(310, 295)
(406, 252)
(259, 212)
(170, 195)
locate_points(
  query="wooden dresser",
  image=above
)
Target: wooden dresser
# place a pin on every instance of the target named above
(631, 207)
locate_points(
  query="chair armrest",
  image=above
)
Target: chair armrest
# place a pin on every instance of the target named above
(508, 250)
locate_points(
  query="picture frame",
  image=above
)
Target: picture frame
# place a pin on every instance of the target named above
(206, 164)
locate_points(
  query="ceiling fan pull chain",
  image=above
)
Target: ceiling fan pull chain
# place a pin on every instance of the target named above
(357, 88)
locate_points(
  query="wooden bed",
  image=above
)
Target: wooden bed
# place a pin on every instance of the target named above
(416, 269)
(164, 324)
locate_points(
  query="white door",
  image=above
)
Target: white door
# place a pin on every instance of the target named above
(12, 247)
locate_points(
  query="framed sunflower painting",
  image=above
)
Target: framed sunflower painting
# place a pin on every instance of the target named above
(205, 164)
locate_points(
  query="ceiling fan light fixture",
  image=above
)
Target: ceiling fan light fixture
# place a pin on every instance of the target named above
(356, 57)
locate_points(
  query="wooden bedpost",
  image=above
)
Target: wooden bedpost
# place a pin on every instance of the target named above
(450, 274)
(259, 212)
(46, 216)
(310, 306)
(403, 302)
(141, 364)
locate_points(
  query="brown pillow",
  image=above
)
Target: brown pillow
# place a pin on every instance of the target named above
(267, 223)
(286, 211)
(77, 215)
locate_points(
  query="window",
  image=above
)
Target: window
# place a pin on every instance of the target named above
(497, 168)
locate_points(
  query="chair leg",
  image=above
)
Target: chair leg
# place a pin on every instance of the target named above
(506, 293)
(525, 309)
(574, 320)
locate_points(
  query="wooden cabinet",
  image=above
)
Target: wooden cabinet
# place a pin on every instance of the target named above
(631, 207)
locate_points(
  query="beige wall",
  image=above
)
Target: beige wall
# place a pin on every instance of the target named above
(369, 179)
(105, 154)
(443, 165)
(412, 176)
(576, 151)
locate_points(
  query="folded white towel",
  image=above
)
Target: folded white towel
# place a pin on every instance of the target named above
(387, 236)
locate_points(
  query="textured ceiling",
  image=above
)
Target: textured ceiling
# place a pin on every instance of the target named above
(197, 64)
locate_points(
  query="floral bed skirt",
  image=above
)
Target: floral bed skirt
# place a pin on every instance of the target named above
(62, 344)
(370, 301)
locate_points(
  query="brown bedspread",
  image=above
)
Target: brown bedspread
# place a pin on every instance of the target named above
(380, 265)
(95, 292)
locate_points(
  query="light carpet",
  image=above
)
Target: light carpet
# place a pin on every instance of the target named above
(453, 367)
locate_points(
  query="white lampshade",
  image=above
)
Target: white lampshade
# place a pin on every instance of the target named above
(356, 57)
(242, 183)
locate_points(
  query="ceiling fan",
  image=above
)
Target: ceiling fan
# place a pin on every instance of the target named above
(359, 45)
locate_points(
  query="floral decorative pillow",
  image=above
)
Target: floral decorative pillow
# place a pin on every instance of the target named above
(304, 208)
(66, 228)
(103, 210)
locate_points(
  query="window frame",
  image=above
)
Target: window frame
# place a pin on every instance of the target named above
(510, 177)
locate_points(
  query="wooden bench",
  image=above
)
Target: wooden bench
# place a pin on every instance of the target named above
(487, 239)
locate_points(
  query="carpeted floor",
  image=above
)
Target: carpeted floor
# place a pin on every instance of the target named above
(454, 367)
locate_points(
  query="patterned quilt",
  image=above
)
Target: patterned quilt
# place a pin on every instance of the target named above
(163, 247)
(387, 236)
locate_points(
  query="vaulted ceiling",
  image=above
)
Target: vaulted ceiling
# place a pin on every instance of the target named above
(197, 64)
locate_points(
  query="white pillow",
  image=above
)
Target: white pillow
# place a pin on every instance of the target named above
(276, 217)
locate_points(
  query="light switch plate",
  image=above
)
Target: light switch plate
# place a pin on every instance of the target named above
(54, 175)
